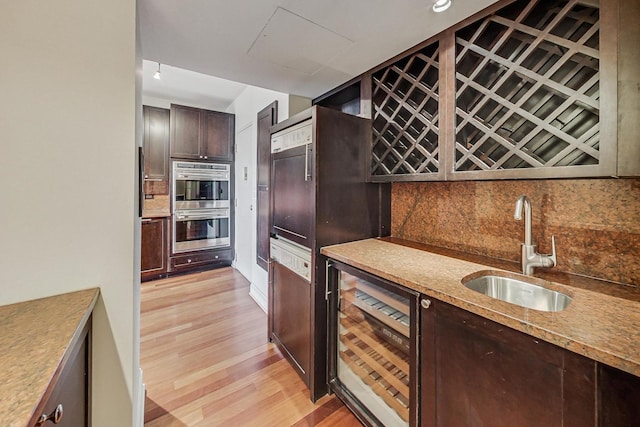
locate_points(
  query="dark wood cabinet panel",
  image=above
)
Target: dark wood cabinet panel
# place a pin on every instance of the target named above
(217, 135)
(488, 374)
(156, 150)
(201, 134)
(292, 317)
(154, 251)
(618, 398)
(71, 390)
(185, 132)
(201, 259)
(266, 118)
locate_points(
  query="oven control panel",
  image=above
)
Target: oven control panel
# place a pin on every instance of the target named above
(294, 257)
(292, 137)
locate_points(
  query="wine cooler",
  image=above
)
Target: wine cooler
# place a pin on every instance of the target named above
(373, 348)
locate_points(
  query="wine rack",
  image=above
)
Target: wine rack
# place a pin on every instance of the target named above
(374, 341)
(405, 116)
(528, 88)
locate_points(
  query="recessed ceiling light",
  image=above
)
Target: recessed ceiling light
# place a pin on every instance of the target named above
(441, 5)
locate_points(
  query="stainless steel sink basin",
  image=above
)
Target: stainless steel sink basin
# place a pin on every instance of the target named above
(517, 292)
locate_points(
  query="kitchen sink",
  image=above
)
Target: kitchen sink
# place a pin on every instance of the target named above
(517, 291)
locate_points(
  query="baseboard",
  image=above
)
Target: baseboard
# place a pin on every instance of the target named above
(259, 298)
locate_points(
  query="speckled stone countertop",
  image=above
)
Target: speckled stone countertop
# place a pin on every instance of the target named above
(155, 213)
(604, 326)
(35, 336)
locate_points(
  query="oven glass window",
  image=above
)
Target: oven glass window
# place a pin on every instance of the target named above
(192, 190)
(202, 229)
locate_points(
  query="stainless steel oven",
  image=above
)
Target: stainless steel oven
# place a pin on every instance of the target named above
(200, 229)
(200, 185)
(201, 206)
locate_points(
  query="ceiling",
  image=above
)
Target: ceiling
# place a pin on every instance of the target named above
(300, 47)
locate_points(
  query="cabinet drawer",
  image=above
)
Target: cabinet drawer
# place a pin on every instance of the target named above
(199, 259)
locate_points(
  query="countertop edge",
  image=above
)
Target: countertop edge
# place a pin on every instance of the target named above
(50, 382)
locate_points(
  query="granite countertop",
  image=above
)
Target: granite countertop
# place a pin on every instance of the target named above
(155, 213)
(602, 322)
(35, 336)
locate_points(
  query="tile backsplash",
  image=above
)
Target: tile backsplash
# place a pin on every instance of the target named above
(596, 222)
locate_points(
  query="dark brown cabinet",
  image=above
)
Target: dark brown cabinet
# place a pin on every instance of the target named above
(156, 150)
(266, 118)
(191, 261)
(485, 373)
(292, 317)
(153, 257)
(330, 174)
(68, 397)
(201, 134)
(618, 398)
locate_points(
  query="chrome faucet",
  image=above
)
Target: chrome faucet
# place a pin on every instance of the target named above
(530, 258)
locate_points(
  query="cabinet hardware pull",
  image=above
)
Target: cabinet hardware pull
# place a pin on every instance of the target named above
(307, 175)
(55, 417)
(425, 303)
(327, 292)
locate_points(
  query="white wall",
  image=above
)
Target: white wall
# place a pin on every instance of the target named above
(68, 173)
(246, 107)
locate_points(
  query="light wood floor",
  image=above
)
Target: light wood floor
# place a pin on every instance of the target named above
(207, 362)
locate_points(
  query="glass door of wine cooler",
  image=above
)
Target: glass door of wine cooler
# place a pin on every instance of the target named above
(373, 360)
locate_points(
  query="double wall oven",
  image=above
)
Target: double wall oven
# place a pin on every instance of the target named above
(201, 206)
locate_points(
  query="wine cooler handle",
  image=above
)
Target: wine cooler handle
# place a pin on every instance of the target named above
(326, 280)
(425, 303)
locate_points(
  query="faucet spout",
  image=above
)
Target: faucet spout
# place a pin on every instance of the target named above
(523, 204)
(531, 258)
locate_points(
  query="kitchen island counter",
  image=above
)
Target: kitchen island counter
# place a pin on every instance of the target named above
(602, 322)
(34, 345)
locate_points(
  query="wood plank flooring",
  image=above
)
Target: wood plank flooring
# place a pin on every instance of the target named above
(207, 362)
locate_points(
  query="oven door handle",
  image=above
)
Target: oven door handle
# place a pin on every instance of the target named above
(200, 177)
(201, 216)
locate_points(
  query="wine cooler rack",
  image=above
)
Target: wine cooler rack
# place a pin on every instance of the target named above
(374, 341)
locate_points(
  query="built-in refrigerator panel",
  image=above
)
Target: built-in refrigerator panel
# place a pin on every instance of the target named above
(293, 201)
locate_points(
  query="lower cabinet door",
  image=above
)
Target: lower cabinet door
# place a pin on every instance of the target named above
(618, 398)
(292, 318)
(153, 256)
(70, 393)
(490, 375)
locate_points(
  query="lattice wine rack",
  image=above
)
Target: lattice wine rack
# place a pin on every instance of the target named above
(405, 116)
(527, 87)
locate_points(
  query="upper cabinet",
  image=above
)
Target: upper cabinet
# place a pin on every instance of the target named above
(201, 134)
(156, 150)
(524, 89)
